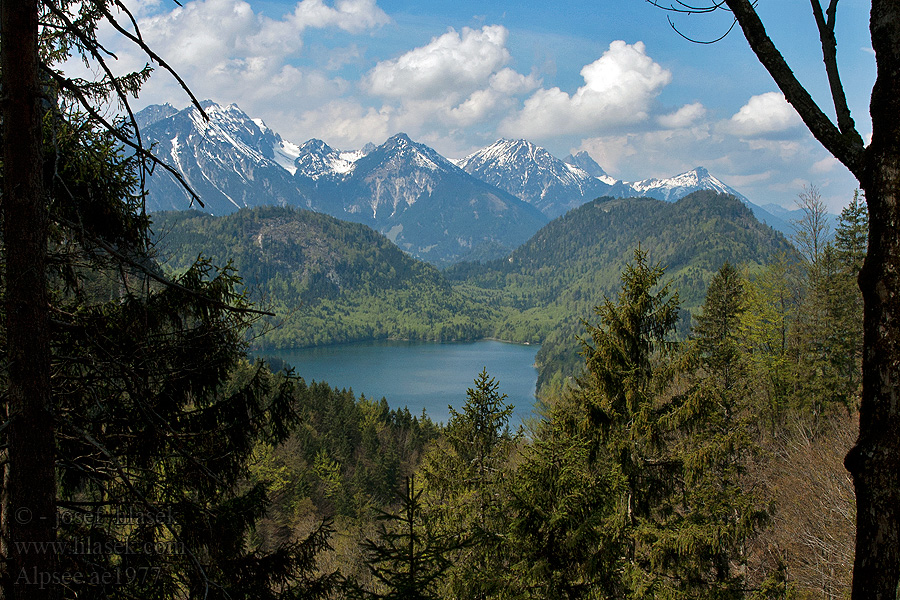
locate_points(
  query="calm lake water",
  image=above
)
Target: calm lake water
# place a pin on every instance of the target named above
(422, 375)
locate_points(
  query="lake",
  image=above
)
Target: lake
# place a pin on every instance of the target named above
(421, 374)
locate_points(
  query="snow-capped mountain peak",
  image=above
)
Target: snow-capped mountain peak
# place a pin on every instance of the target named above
(586, 163)
(315, 159)
(504, 153)
(534, 175)
(226, 157)
(400, 149)
(672, 188)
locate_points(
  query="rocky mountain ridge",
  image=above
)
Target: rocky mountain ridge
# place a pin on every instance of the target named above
(435, 208)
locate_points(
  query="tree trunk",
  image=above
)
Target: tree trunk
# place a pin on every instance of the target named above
(874, 461)
(30, 511)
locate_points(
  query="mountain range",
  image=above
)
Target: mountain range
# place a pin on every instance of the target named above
(436, 209)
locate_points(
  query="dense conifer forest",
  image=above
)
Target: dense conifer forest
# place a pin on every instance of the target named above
(703, 462)
(702, 380)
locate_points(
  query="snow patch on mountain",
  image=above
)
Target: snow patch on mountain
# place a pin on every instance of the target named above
(673, 188)
(345, 161)
(285, 154)
(532, 174)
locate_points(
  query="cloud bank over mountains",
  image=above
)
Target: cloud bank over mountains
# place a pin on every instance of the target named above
(341, 71)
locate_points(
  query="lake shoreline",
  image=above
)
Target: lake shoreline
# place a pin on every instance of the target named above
(273, 349)
(417, 375)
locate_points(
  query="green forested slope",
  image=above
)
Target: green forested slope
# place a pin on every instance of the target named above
(556, 278)
(326, 280)
(330, 281)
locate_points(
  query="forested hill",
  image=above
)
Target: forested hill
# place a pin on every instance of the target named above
(556, 278)
(588, 247)
(328, 281)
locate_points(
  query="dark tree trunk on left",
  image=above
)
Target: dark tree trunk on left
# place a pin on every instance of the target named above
(30, 500)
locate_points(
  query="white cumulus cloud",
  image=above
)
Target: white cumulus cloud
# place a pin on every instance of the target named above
(457, 80)
(451, 64)
(350, 15)
(228, 52)
(345, 124)
(618, 89)
(763, 116)
(685, 116)
(510, 82)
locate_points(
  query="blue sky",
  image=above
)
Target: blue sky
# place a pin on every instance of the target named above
(610, 77)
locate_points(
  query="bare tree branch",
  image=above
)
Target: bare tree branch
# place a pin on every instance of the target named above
(139, 41)
(696, 41)
(829, 54)
(849, 147)
(685, 8)
(95, 49)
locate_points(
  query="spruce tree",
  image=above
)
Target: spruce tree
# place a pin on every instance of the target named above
(565, 538)
(850, 242)
(851, 235)
(156, 409)
(829, 319)
(622, 375)
(696, 535)
(717, 333)
(620, 394)
(409, 558)
(463, 480)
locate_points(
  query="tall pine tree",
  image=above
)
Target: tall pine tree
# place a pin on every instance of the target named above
(695, 537)
(464, 487)
(620, 394)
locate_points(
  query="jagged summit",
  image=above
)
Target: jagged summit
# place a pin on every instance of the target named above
(223, 158)
(672, 188)
(399, 139)
(505, 152)
(586, 163)
(317, 146)
(531, 173)
(399, 149)
(154, 113)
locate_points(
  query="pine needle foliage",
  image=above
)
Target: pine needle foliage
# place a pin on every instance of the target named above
(408, 559)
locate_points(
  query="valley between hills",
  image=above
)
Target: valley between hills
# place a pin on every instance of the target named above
(398, 242)
(330, 282)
